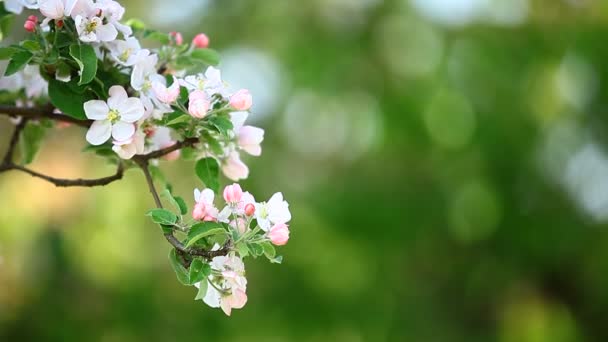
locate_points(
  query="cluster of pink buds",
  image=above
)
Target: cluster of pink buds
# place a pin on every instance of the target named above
(30, 23)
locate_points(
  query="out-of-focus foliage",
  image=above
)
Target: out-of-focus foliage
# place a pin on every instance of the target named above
(445, 162)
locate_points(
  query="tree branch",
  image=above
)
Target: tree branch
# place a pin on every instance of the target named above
(61, 182)
(188, 142)
(41, 113)
(169, 236)
(8, 157)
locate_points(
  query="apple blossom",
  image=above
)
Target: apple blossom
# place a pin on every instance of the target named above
(198, 104)
(166, 94)
(16, 6)
(201, 41)
(126, 149)
(125, 51)
(59, 9)
(94, 29)
(233, 193)
(204, 208)
(234, 168)
(114, 118)
(249, 138)
(279, 234)
(241, 100)
(228, 289)
(275, 211)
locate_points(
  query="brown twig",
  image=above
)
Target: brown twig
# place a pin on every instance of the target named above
(61, 182)
(41, 113)
(141, 160)
(169, 236)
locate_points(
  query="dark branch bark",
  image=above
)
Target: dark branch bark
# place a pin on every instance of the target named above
(141, 160)
(8, 157)
(169, 236)
(41, 113)
(162, 152)
(61, 182)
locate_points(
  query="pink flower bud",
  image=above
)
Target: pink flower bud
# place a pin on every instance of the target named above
(199, 104)
(199, 212)
(29, 26)
(233, 193)
(249, 209)
(279, 234)
(241, 100)
(177, 38)
(201, 41)
(33, 18)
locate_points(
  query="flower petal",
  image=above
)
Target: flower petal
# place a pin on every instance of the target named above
(106, 33)
(131, 110)
(118, 95)
(99, 132)
(96, 110)
(122, 130)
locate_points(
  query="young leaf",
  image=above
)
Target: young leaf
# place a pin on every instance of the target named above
(85, 56)
(18, 62)
(208, 171)
(207, 56)
(222, 123)
(277, 260)
(256, 249)
(66, 100)
(242, 248)
(199, 270)
(178, 120)
(180, 271)
(162, 216)
(269, 250)
(177, 202)
(202, 290)
(183, 207)
(203, 229)
(6, 21)
(7, 52)
(31, 138)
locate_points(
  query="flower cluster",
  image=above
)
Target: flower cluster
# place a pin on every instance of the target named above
(140, 104)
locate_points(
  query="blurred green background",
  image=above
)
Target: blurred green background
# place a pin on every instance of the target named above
(445, 163)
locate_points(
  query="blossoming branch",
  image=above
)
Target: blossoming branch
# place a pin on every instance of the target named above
(82, 65)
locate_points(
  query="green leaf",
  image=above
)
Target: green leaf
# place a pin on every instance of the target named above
(7, 52)
(180, 271)
(162, 216)
(198, 271)
(202, 290)
(6, 21)
(18, 62)
(204, 229)
(269, 250)
(208, 171)
(31, 45)
(31, 139)
(66, 100)
(242, 248)
(222, 123)
(183, 207)
(207, 56)
(160, 37)
(85, 56)
(178, 120)
(277, 260)
(178, 203)
(256, 250)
